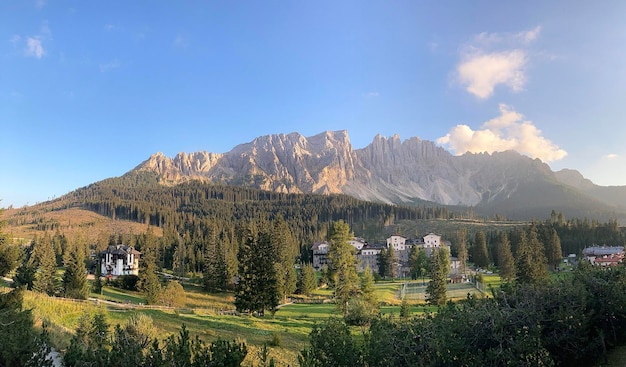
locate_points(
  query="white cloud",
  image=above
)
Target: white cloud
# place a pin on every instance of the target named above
(39, 4)
(34, 47)
(530, 36)
(612, 156)
(493, 59)
(509, 131)
(480, 73)
(372, 94)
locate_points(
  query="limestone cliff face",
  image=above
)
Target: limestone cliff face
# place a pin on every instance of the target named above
(388, 170)
(289, 163)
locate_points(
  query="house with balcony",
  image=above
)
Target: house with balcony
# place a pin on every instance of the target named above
(119, 260)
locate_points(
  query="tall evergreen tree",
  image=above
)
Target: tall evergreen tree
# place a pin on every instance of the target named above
(9, 254)
(286, 251)
(19, 344)
(341, 256)
(384, 265)
(481, 254)
(531, 263)
(419, 263)
(256, 290)
(44, 261)
(506, 262)
(436, 293)
(97, 282)
(307, 280)
(179, 262)
(25, 272)
(553, 249)
(149, 281)
(75, 277)
(392, 262)
(462, 254)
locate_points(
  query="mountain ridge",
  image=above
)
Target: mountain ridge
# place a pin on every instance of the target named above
(393, 171)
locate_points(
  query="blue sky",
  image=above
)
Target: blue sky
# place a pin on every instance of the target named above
(88, 90)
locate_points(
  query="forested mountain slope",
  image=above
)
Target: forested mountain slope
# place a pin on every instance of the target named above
(393, 171)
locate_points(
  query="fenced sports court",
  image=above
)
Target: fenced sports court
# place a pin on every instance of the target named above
(416, 291)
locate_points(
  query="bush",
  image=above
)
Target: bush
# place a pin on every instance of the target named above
(128, 282)
(275, 341)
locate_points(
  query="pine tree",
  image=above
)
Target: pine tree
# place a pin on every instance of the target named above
(285, 248)
(481, 254)
(531, 263)
(257, 289)
(307, 280)
(392, 262)
(25, 273)
(506, 263)
(462, 254)
(44, 261)
(97, 283)
(553, 249)
(419, 263)
(342, 260)
(149, 281)
(440, 269)
(180, 258)
(75, 277)
(383, 263)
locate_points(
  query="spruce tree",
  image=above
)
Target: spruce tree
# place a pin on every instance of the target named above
(506, 262)
(285, 248)
(44, 261)
(383, 263)
(341, 256)
(419, 263)
(97, 283)
(462, 253)
(257, 289)
(149, 281)
(75, 277)
(436, 293)
(307, 280)
(554, 253)
(531, 263)
(481, 254)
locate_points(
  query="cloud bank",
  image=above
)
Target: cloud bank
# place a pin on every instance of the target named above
(493, 59)
(509, 131)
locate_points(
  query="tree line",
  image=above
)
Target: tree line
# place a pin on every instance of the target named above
(572, 321)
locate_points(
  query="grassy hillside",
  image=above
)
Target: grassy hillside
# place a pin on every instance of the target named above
(288, 328)
(24, 224)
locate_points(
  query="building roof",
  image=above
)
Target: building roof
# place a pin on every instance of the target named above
(316, 245)
(120, 250)
(603, 250)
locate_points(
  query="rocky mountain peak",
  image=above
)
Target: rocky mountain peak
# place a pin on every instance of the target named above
(389, 169)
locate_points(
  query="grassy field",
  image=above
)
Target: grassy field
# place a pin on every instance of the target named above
(203, 315)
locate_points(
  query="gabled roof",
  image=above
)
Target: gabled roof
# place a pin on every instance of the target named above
(316, 245)
(120, 250)
(603, 250)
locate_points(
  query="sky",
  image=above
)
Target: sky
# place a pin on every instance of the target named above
(89, 90)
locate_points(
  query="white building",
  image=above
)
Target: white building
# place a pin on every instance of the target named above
(119, 260)
(432, 240)
(357, 243)
(320, 254)
(397, 242)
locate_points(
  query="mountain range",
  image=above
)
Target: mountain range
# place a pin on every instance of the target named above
(395, 171)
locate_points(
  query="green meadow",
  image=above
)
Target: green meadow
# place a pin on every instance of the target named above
(210, 316)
